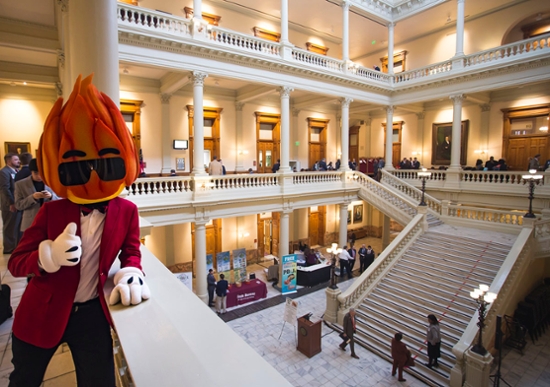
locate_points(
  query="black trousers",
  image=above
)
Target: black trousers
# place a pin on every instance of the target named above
(88, 335)
(362, 264)
(351, 344)
(211, 295)
(344, 266)
(11, 222)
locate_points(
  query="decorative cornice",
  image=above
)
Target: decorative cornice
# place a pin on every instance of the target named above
(486, 107)
(59, 89)
(239, 106)
(421, 115)
(457, 98)
(61, 58)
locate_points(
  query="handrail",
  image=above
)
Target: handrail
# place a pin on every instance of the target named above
(174, 339)
(490, 215)
(411, 191)
(498, 177)
(247, 42)
(423, 72)
(365, 72)
(436, 174)
(129, 15)
(315, 59)
(363, 285)
(508, 50)
(504, 285)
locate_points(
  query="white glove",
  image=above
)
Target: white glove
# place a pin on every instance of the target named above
(130, 287)
(66, 250)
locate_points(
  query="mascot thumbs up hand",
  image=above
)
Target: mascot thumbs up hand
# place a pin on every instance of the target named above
(65, 250)
(130, 287)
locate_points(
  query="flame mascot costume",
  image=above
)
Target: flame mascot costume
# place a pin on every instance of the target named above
(87, 156)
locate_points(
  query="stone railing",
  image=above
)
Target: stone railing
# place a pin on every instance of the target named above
(423, 72)
(480, 214)
(363, 285)
(316, 177)
(511, 50)
(504, 285)
(492, 177)
(173, 339)
(411, 174)
(153, 20)
(159, 186)
(365, 72)
(410, 190)
(242, 41)
(303, 56)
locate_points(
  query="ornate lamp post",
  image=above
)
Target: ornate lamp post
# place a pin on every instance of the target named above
(483, 298)
(334, 251)
(533, 179)
(424, 174)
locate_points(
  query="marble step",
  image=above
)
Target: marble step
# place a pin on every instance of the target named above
(454, 240)
(447, 260)
(489, 256)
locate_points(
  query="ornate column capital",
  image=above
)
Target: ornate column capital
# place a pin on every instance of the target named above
(59, 89)
(165, 98)
(486, 107)
(368, 121)
(346, 5)
(198, 78)
(285, 91)
(421, 115)
(389, 108)
(457, 98)
(63, 5)
(239, 106)
(391, 25)
(346, 101)
(295, 112)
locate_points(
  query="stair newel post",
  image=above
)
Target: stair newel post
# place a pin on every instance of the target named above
(333, 304)
(424, 211)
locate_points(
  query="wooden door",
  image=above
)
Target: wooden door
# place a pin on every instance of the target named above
(266, 158)
(317, 140)
(354, 144)
(396, 144)
(268, 141)
(518, 154)
(212, 116)
(131, 111)
(316, 225)
(275, 229)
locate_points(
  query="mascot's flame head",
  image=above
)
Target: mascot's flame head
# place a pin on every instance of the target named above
(86, 152)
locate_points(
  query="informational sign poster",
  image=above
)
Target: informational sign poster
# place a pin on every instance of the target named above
(209, 262)
(291, 311)
(186, 278)
(224, 264)
(239, 265)
(290, 272)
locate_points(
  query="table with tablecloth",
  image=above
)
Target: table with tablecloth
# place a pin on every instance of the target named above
(313, 275)
(248, 291)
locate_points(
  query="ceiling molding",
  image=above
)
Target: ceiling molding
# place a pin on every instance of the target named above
(254, 94)
(172, 82)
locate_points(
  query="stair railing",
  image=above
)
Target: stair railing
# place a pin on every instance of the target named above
(410, 190)
(363, 285)
(505, 284)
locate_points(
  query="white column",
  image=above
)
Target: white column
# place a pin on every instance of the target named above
(284, 228)
(343, 225)
(389, 138)
(460, 28)
(420, 136)
(344, 139)
(284, 91)
(241, 156)
(284, 21)
(390, 47)
(197, 9)
(95, 23)
(200, 260)
(345, 31)
(198, 123)
(456, 133)
(165, 133)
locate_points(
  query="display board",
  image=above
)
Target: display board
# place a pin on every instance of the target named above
(290, 264)
(239, 265)
(224, 264)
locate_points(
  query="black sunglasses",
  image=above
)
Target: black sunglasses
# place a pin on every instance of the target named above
(79, 172)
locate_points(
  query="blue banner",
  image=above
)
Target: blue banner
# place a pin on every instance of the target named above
(239, 265)
(209, 262)
(290, 273)
(224, 264)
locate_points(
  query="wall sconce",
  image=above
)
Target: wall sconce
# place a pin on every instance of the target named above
(244, 234)
(243, 152)
(480, 151)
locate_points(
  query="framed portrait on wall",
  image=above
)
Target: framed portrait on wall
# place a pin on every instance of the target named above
(180, 164)
(349, 216)
(442, 138)
(17, 147)
(358, 213)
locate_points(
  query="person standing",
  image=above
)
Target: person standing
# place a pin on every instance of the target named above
(433, 338)
(362, 257)
(30, 194)
(323, 164)
(215, 167)
(353, 254)
(11, 218)
(369, 258)
(276, 166)
(399, 353)
(344, 257)
(211, 281)
(349, 332)
(24, 170)
(221, 295)
(534, 162)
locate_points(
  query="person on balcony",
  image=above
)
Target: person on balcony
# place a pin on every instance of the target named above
(276, 166)
(337, 165)
(215, 167)
(323, 164)
(479, 165)
(490, 164)
(534, 162)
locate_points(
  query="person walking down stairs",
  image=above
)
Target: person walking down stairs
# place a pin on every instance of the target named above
(400, 355)
(434, 341)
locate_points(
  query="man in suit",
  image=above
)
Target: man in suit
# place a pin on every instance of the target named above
(24, 171)
(362, 256)
(349, 331)
(211, 281)
(276, 166)
(369, 257)
(221, 295)
(11, 218)
(30, 194)
(353, 254)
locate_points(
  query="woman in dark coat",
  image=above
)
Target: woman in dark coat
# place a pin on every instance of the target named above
(433, 338)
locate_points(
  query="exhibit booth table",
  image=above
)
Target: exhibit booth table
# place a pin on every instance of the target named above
(313, 275)
(249, 291)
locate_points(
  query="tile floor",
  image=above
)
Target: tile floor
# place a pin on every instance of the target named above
(265, 332)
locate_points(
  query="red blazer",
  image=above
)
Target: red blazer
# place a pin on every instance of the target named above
(44, 310)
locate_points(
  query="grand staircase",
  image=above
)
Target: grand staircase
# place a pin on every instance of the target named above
(435, 275)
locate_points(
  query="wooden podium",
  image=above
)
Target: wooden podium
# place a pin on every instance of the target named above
(309, 336)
